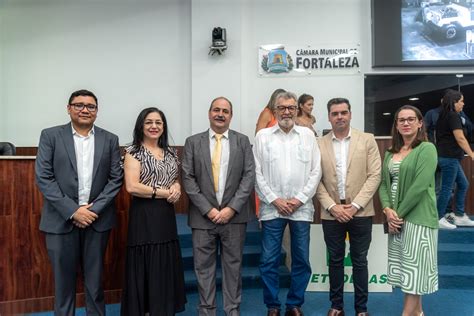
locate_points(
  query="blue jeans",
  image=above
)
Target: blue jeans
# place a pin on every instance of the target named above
(272, 235)
(449, 207)
(451, 172)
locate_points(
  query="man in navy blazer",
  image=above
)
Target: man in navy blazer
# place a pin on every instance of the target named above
(219, 206)
(79, 174)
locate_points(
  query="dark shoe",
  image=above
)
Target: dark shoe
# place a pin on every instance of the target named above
(335, 312)
(295, 311)
(362, 314)
(273, 312)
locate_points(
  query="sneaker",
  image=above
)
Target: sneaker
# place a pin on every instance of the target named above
(444, 224)
(450, 217)
(463, 220)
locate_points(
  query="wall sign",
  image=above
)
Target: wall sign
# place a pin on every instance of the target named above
(280, 60)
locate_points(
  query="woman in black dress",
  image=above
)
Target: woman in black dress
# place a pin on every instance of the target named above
(154, 279)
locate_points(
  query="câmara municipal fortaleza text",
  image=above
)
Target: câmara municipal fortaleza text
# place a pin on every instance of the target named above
(326, 58)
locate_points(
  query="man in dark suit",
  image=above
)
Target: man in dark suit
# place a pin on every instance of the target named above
(79, 174)
(218, 176)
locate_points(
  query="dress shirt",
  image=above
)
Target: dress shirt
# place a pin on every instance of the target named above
(341, 153)
(225, 152)
(84, 148)
(288, 165)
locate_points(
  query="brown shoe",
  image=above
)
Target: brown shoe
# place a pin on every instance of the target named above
(335, 312)
(362, 314)
(273, 312)
(295, 311)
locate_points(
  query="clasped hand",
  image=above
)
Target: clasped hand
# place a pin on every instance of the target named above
(287, 207)
(343, 212)
(83, 217)
(221, 217)
(394, 222)
(175, 193)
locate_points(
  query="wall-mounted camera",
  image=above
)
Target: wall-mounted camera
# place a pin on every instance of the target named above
(219, 41)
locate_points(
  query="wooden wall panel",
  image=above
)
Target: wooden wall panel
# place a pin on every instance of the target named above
(26, 151)
(26, 278)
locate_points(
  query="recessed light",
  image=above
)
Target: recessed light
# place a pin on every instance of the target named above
(386, 113)
(414, 99)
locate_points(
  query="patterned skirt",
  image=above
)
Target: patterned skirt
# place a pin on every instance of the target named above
(413, 259)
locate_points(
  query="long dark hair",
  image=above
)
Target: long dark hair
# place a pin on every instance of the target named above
(302, 100)
(449, 99)
(139, 124)
(397, 139)
(271, 102)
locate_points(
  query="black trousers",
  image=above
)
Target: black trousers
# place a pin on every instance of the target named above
(84, 248)
(360, 236)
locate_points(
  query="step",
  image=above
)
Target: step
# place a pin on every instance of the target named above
(460, 235)
(251, 256)
(456, 277)
(250, 278)
(456, 254)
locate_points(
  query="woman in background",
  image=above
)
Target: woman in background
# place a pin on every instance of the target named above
(266, 117)
(154, 278)
(407, 194)
(305, 107)
(452, 145)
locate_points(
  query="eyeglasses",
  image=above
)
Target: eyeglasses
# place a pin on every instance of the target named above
(409, 120)
(282, 108)
(81, 106)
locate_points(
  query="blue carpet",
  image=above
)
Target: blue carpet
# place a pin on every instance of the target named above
(441, 303)
(456, 280)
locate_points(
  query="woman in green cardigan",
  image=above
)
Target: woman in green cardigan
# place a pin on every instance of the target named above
(408, 200)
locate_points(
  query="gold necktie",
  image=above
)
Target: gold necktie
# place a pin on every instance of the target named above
(216, 161)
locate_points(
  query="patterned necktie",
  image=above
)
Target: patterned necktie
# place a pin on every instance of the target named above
(216, 161)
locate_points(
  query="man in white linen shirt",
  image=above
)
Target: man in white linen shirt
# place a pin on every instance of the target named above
(351, 166)
(288, 171)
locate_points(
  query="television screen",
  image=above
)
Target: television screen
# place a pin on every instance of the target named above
(422, 33)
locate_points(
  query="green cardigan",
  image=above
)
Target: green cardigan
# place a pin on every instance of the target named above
(415, 200)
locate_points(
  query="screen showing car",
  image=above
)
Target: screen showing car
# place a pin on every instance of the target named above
(437, 30)
(422, 33)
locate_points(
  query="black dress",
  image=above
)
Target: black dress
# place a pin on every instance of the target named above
(154, 278)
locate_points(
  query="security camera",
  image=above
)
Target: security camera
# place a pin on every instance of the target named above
(219, 41)
(219, 37)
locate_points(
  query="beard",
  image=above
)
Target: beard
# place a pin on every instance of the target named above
(286, 123)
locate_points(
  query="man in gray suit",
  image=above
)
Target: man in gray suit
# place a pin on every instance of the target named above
(79, 174)
(218, 176)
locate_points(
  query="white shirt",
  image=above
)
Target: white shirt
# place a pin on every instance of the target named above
(341, 153)
(225, 152)
(84, 148)
(287, 165)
